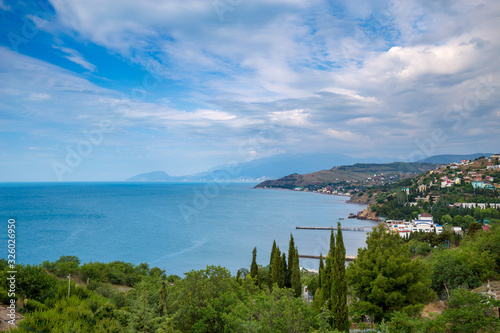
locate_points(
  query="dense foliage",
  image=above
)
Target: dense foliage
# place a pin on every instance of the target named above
(384, 278)
(388, 284)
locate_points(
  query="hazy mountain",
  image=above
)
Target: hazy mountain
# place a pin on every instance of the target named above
(152, 177)
(267, 168)
(448, 158)
(281, 165)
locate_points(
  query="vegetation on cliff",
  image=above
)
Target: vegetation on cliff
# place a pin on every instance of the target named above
(350, 177)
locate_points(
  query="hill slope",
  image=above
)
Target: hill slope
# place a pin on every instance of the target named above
(357, 175)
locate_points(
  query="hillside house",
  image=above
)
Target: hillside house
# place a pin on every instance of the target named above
(477, 184)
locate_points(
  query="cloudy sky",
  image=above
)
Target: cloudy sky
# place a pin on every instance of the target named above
(103, 90)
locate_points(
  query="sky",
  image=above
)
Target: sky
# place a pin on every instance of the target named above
(103, 90)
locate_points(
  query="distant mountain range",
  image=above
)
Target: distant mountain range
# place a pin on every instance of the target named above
(281, 165)
(447, 159)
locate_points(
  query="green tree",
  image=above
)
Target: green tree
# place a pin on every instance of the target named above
(291, 253)
(446, 219)
(295, 278)
(254, 269)
(384, 278)
(450, 270)
(273, 251)
(284, 268)
(328, 277)
(31, 281)
(466, 221)
(204, 298)
(318, 295)
(339, 287)
(471, 312)
(474, 227)
(321, 267)
(278, 311)
(276, 269)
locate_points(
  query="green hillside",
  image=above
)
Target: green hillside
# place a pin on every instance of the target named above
(350, 177)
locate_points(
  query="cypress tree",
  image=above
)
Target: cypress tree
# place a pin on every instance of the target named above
(321, 267)
(327, 278)
(254, 269)
(295, 278)
(291, 253)
(339, 288)
(163, 298)
(276, 268)
(238, 277)
(318, 296)
(284, 270)
(273, 251)
(331, 253)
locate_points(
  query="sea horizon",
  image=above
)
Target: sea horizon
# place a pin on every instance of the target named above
(176, 226)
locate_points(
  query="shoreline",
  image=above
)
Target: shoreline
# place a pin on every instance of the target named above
(365, 212)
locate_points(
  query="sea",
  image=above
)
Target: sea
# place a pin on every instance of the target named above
(177, 227)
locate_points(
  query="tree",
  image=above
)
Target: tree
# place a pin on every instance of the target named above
(273, 251)
(470, 312)
(384, 278)
(321, 267)
(276, 268)
(254, 269)
(327, 276)
(328, 279)
(204, 299)
(446, 219)
(295, 276)
(451, 270)
(473, 228)
(31, 281)
(466, 221)
(284, 268)
(291, 253)
(339, 287)
(318, 295)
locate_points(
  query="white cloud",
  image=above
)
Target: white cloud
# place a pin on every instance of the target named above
(346, 136)
(76, 57)
(3, 6)
(278, 61)
(39, 96)
(296, 117)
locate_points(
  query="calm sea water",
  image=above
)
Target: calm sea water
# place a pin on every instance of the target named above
(175, 226)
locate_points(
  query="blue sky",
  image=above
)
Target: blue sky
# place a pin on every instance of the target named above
(104, 90)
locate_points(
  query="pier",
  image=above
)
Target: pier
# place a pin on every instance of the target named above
(331, 228)
(347, 257)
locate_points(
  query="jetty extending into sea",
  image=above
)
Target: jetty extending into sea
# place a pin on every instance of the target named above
(347, 257)
(331, 228)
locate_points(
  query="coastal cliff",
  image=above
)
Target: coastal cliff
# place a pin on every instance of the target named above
(368, 214)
